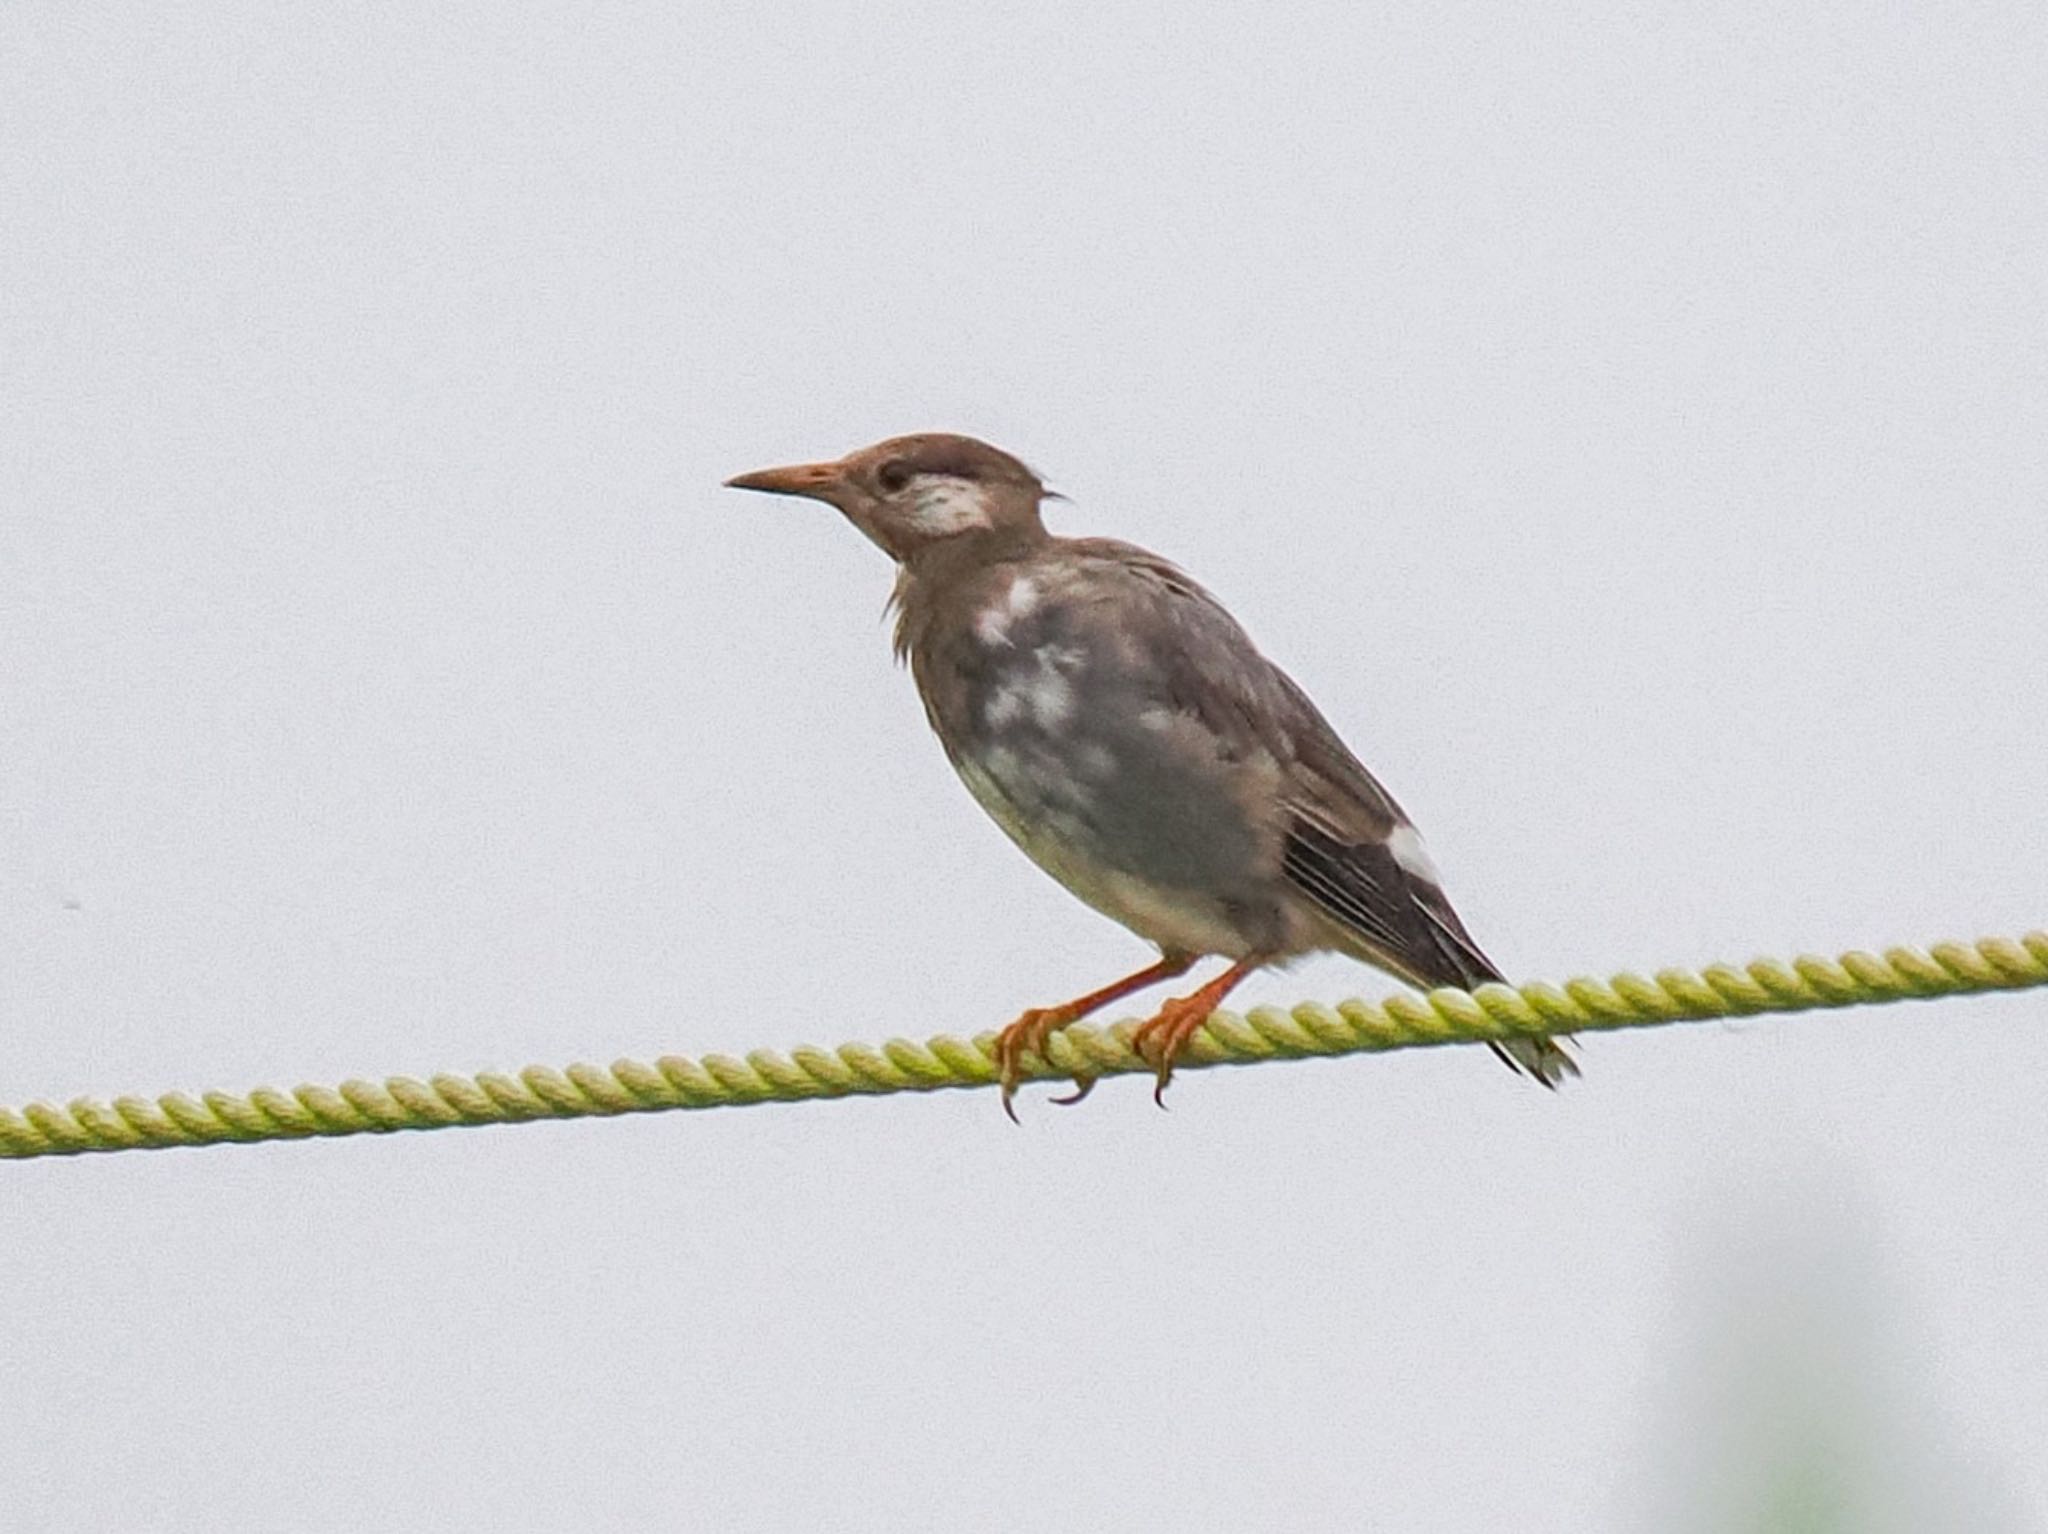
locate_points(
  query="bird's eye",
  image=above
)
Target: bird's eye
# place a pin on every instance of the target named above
(893, 475)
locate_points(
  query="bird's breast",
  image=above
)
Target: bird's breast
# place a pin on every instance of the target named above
(1071, 743)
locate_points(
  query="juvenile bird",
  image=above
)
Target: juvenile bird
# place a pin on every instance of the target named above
(1123, 729)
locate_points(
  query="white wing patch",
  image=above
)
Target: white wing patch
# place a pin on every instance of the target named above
(1404, 844)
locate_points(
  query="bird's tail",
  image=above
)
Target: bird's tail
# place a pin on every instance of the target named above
(1539, 1056)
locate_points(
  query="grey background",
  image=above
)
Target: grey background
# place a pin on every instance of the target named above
(1633, 429)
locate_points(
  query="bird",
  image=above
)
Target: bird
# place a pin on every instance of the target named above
(1122, 728)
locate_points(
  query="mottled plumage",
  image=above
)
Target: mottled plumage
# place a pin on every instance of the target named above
(1121, 727)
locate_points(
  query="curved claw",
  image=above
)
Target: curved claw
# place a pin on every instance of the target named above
(1083, 1085)
(1171, 1038)
(1009, 1053)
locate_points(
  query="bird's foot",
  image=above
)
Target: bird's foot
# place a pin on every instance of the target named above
(1163, 1039)
(1029, 1035)
(1031, 1032)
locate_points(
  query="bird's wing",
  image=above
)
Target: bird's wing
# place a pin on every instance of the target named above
(1187, 651)
(1347, 846)
(1354, 853)
(1358, 859)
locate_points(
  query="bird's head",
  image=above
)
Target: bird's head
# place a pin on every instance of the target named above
(911, 493)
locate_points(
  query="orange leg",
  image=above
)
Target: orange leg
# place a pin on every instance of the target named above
(1031, 1031)
(1163, 1039)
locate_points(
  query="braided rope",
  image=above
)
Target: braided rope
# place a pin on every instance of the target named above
(1265, 1033)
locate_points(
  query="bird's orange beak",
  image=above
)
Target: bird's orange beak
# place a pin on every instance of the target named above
(816, 480)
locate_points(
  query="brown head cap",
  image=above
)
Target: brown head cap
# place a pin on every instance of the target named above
(909, 493)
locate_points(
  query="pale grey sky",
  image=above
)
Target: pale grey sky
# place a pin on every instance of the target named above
(1632, 429)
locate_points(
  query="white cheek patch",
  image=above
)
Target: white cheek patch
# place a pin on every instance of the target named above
(942, 504)
(1405, 846)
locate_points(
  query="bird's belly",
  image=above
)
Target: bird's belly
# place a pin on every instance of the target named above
(1056, 816)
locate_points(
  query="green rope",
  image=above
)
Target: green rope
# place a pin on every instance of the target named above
(1266, 1033)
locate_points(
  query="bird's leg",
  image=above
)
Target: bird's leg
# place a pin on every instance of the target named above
(1031, 1031)
(1164, 1037)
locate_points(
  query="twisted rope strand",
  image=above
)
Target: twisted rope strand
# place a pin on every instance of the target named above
(1266, 1033)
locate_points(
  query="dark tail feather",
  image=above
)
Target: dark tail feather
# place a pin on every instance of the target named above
(1403, 923)
(1538, 1056)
